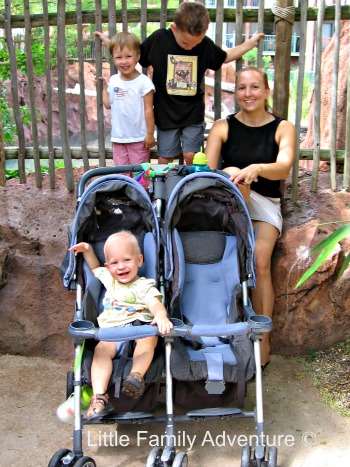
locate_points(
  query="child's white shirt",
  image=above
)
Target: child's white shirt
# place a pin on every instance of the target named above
(126, 98)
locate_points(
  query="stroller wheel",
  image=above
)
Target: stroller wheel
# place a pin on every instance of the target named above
(272, 457)
(85, 461)
(180, 460)
(56, 459)
(153, 459)
(245, 457)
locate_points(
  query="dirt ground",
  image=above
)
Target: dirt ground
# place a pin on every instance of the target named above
(309, 434)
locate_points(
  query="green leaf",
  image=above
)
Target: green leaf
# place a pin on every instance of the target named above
(325, 248)
(344, 265)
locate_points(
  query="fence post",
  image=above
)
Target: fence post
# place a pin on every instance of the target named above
(2, 158)
(284, 19)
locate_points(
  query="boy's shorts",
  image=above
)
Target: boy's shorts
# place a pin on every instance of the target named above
(179, 140)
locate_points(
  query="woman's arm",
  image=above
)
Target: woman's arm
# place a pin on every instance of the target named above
(279, 170)
(217, 136)
(149, 118)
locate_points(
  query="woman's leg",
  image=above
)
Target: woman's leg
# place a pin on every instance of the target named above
(263, 295)
(143, 355)
(102, 365)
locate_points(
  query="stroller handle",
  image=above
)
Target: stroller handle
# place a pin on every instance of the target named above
(105, 171)
(83, 329)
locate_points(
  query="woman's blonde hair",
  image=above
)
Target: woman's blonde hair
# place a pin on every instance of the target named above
(263, 75)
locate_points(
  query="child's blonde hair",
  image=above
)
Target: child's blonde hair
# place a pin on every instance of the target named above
(128, 238)
(125, 39)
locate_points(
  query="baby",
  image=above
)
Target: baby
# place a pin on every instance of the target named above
(128, 298)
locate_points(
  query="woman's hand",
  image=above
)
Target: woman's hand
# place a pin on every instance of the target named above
(248, 174)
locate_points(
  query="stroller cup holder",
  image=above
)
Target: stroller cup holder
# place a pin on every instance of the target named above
(81, 329)
(260, 324)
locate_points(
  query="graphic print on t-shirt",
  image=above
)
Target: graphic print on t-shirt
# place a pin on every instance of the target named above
(119, 92)
(182, 75)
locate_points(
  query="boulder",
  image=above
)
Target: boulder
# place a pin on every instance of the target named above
(317, 314)
(36, 309)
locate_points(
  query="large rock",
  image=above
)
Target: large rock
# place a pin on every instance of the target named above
(326, 95)
(318, 314)
(35, 309)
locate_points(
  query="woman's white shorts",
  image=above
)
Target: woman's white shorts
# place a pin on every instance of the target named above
(265, 209)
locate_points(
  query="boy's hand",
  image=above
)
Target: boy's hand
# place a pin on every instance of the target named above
(163, 323)
(81, 247)
(149, 141)
(256, 38)
(103, 37)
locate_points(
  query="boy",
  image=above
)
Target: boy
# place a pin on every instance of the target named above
(180, 57)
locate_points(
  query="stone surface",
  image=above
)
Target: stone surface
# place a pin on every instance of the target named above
(327, 64)
(318, 314)
(36, 309)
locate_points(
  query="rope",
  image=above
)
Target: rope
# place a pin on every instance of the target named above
(283, 13)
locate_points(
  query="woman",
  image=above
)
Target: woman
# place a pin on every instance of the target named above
(257, 149)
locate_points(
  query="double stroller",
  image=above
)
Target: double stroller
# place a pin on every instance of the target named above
(197, 241)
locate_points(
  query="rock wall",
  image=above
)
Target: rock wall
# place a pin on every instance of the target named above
(36, 310)
(327, 64)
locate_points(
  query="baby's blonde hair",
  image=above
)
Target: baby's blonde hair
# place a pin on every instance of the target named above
(128, 238)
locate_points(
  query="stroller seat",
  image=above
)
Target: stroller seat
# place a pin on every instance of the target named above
(208, 281)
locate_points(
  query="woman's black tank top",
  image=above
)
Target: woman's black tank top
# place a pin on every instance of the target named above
(247, 145)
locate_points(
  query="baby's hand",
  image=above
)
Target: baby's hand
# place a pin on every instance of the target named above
(163, 323)
(81, 247)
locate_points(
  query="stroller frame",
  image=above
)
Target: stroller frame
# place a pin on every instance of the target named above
(81, 329)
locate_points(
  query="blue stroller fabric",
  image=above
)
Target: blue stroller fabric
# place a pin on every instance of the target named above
(208, 254)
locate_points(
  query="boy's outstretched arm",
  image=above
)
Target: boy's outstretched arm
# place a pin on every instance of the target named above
(236, 52)
(88, 252)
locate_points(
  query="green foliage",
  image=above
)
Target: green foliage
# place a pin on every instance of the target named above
(250, 58)
(308, 86)
(325, 249)
(44, 169)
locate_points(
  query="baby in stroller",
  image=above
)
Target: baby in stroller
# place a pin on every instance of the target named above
(128, 299)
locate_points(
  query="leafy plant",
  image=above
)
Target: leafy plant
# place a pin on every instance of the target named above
(325, 249)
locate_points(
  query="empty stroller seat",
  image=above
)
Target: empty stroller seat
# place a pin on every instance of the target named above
(208, 280)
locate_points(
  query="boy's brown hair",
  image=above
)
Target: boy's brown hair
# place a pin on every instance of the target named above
(192, 17)
(125, 39)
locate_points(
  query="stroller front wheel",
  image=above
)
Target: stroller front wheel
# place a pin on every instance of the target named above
(85, 461)
(245, 456)
(57, 458)
(180, 460)
(153, 459)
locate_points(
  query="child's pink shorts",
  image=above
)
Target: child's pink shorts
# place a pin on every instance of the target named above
(130, 153)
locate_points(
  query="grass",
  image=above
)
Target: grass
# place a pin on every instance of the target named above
(330, 373)
(14, 173)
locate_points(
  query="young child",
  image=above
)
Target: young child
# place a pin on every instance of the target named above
(129, 94)
(180, 57)
(128, 298)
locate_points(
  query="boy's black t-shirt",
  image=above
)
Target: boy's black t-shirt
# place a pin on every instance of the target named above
(178, 76)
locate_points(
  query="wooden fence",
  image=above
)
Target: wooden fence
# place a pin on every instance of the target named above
(283, 15)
